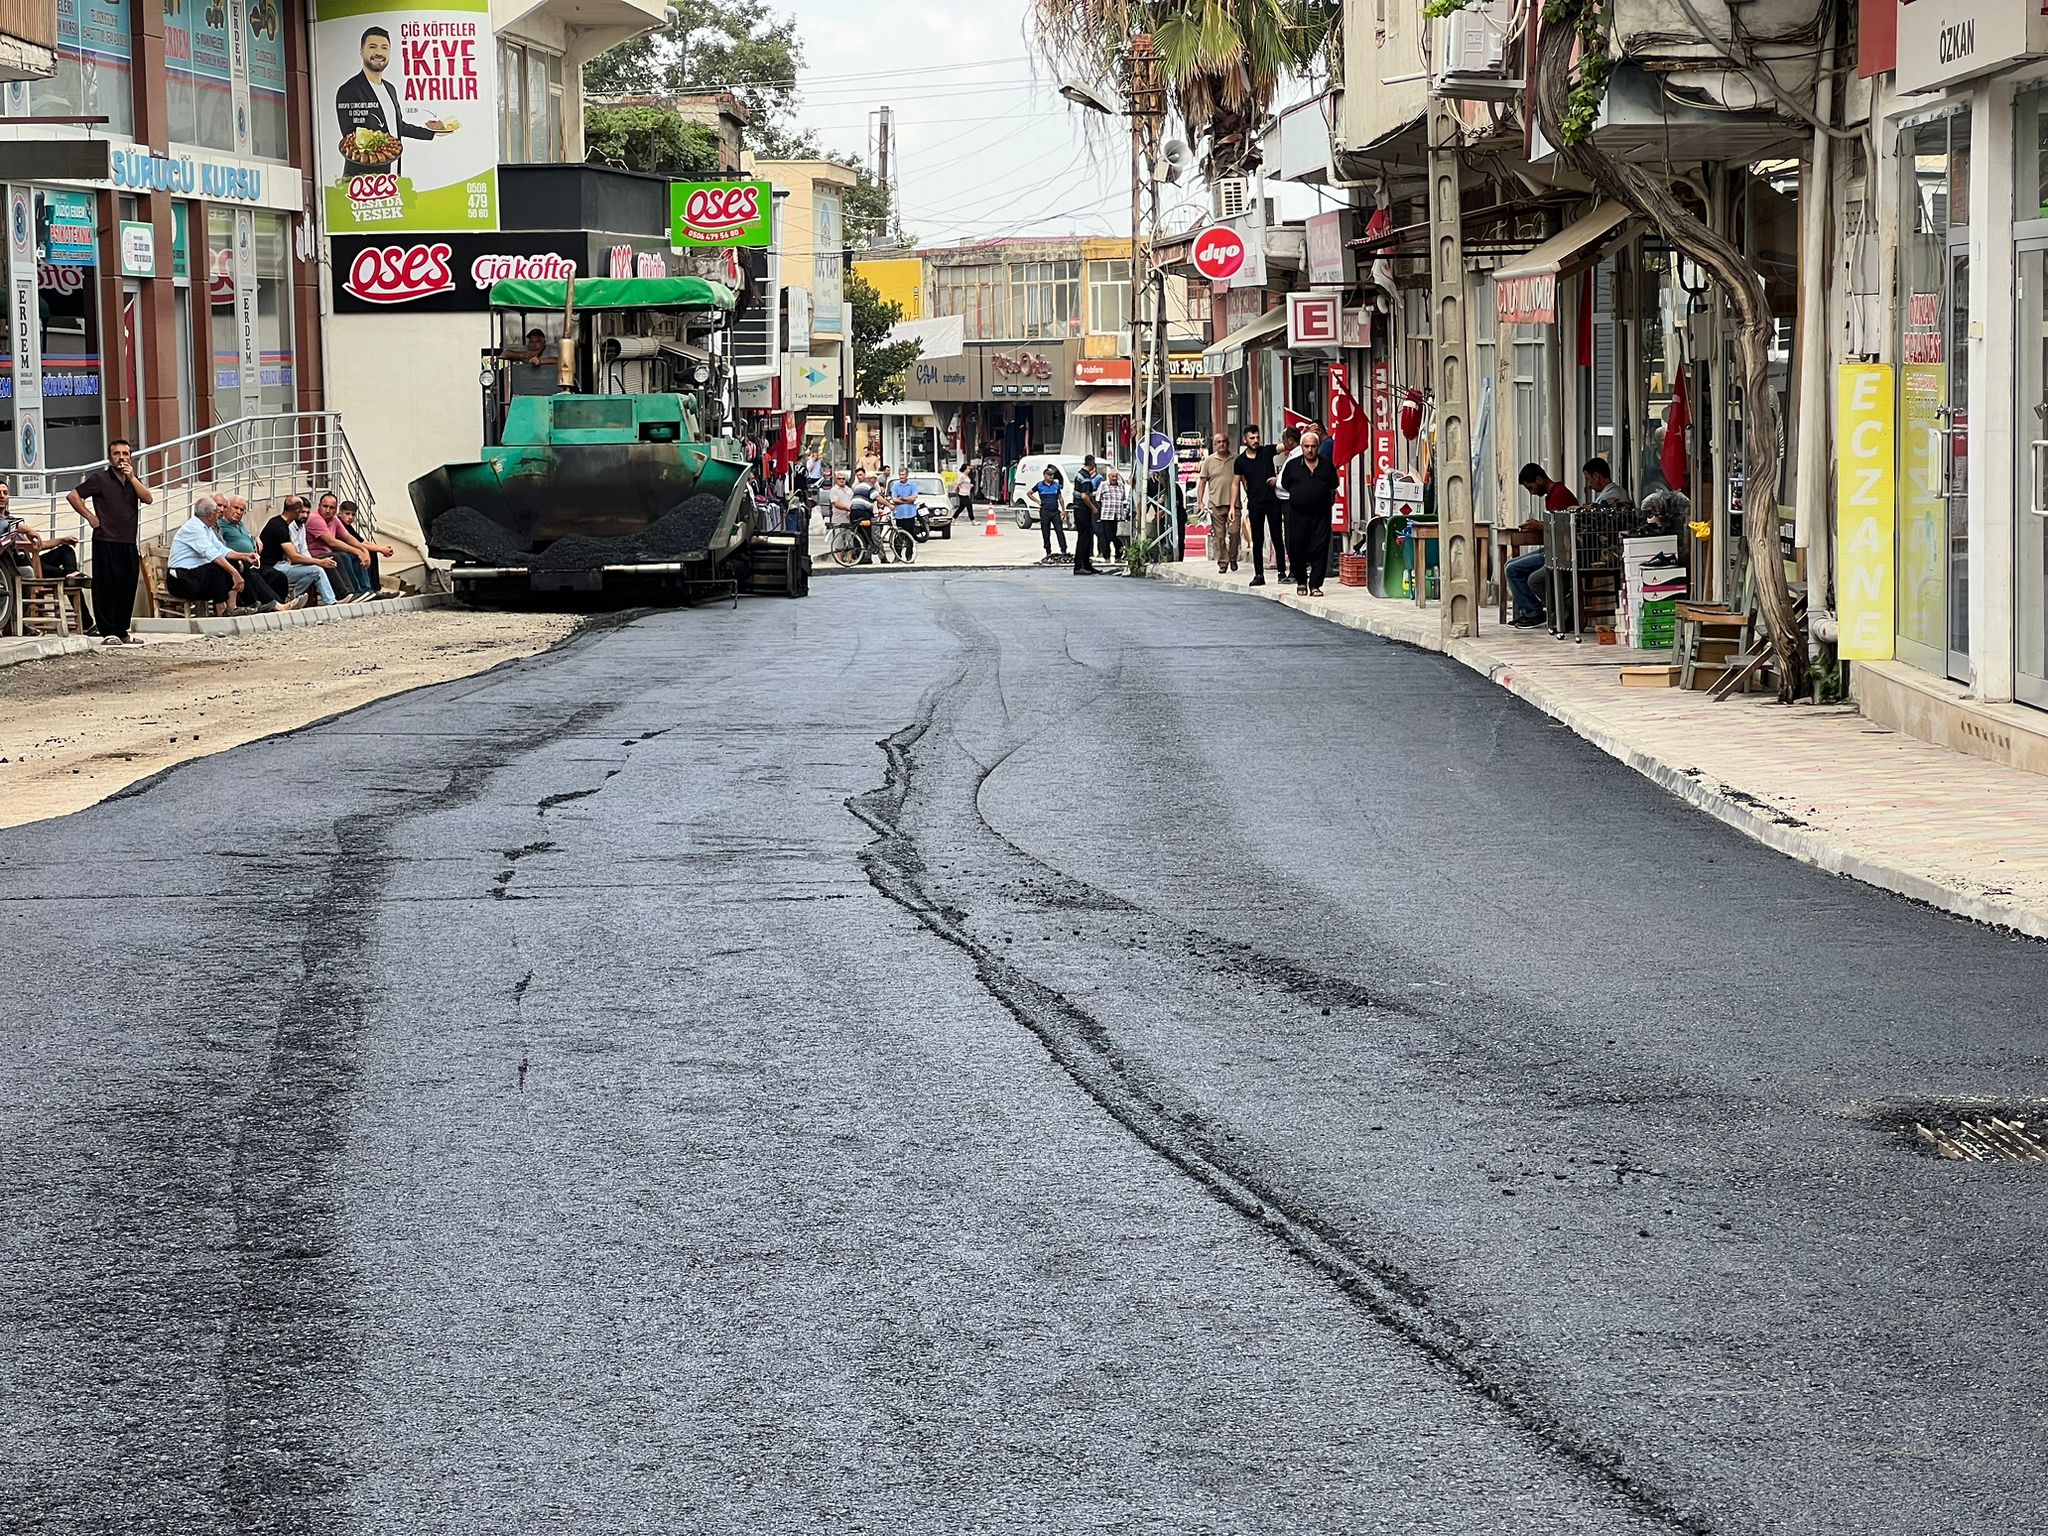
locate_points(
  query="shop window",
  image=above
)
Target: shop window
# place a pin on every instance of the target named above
(67, 241)
(977, 294)
(95, 56)
(512, 138)
(198, 77)
(225, 368)
(279, 387)
(531, 95)
(269, 120)
(1109, 297)
(1045, 300)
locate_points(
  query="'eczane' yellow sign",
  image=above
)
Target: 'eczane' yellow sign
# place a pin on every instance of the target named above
(1866, 510)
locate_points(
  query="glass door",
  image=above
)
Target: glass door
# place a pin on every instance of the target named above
(1934, 297)
(2030, 533)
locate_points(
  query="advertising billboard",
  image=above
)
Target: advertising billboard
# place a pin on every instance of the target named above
(405, 113)
(715, 214)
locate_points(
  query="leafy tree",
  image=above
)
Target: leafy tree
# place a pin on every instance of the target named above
(877, 361)
(650, 139)
(1221, 61)
(739, 46)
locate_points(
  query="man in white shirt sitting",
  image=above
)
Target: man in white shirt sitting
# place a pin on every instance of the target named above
(202, 567)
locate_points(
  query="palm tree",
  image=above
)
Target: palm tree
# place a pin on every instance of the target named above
(1221, 60)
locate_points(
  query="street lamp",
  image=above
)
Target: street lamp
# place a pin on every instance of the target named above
(1081, 96)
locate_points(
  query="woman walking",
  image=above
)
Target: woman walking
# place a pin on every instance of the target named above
(1309, 484)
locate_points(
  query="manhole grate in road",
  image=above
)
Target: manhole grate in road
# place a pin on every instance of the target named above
(1981, 1137)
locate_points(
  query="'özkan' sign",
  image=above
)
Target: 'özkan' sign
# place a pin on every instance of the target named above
(1219, 253)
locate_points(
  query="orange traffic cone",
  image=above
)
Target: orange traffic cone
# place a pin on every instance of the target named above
(991, 531)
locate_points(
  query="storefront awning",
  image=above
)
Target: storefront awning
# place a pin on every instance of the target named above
(1525, 290)
(1227, 355)
(943, 337)
(1104, 402)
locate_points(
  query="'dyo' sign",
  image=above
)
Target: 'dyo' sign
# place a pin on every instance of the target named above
(1219, 252)
(718, 214)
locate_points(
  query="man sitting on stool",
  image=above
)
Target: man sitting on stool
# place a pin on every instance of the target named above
(1523, 570)
(202, 567)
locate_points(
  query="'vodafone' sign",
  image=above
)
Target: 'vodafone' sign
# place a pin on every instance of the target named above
(1219, 253)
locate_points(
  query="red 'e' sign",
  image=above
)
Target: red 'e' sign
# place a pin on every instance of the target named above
(1219, 253)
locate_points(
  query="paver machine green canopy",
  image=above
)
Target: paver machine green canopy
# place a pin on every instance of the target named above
(608, 462)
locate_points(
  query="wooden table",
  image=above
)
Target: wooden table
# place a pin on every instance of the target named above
(1426, 533)
(1513, 541)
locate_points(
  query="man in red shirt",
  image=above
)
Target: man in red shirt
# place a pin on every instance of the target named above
(1523, 570)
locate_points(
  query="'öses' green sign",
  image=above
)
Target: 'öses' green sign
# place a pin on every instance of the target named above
(714, 214)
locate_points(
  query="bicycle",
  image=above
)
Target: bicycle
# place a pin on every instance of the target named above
(850, 541)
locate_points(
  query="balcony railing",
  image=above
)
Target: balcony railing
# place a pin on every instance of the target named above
(263, 458)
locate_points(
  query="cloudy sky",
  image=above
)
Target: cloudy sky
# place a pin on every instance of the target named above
(986, 145)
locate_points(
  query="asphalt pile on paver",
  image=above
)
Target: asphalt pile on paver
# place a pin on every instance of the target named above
(683, 534)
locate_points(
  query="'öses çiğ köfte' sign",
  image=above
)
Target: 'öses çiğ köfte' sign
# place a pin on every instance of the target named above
(425, 274)
(719, 214)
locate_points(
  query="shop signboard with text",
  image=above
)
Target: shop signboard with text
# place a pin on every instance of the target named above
(406, 116)
(1866, 510)
(718, 214)
(446, 274)
(1943, 41)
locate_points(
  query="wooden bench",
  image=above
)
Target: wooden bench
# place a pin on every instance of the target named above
(163, 603)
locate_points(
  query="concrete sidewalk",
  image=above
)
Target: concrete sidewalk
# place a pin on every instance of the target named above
(1820, 783)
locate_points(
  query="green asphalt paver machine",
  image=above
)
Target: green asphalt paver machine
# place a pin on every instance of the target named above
(609, 464)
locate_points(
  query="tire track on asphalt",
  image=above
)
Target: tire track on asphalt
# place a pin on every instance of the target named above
(286, 1334)
(897, 865)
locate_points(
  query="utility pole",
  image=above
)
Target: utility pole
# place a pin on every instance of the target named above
(1457, 544)
(884, 134)
(1148, 115)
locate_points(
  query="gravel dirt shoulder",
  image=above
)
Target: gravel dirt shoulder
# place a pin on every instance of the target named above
(76, 729)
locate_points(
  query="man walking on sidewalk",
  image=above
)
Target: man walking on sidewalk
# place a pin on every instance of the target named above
(1049, 525)
(1255, 467)
(116, 497)
(1217, 494)
(1086, 484)
(1112, 507)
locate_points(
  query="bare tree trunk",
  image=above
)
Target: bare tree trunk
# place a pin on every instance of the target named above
(1763, 443)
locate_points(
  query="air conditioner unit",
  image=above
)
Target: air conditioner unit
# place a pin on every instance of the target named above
(1472, 54)
(1230, 198)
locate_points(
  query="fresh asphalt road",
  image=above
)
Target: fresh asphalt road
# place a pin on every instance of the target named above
(990, 1053)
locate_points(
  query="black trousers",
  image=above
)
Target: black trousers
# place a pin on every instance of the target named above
(264, 586)
(1308, 546)
(202, 584)
(1050, 528)
(1261, 519)
(1084, 537)
(1106, 541)
(114, 568)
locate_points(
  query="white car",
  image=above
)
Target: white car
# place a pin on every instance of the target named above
(1031, 469)
(935, 502)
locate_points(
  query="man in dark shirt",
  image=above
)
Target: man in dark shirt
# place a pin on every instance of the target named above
(1523, 570)
(1310, 482)
(1048, 491)
(1086, 484)
(116, 497)
(1254, 466)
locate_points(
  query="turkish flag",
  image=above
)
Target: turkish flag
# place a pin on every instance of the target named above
(1672, 458)
(1348, 429)
(1289, 417)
